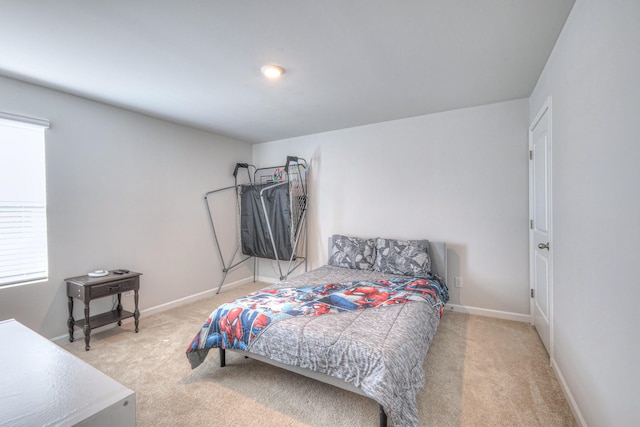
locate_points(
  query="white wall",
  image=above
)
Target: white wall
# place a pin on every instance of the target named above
(124, 191)
(593, 79)
(459, 176)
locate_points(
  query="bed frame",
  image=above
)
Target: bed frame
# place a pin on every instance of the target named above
(438, 255)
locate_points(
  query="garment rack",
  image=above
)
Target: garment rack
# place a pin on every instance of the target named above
(271, 211)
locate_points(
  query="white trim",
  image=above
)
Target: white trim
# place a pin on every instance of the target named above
(267, 279)
(11, 119)
(546, 107)
(507, 315)
(191, 298)
(196, 297)
(160, 308)
(573, 405)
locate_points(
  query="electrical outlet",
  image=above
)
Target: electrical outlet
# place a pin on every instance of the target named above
(458, 281)
(128, 293)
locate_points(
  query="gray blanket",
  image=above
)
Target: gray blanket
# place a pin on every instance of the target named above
(380, 350)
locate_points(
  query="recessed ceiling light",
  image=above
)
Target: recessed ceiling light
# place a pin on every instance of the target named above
(272, 71)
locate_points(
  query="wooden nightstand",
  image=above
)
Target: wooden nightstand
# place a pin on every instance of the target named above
(89, 288)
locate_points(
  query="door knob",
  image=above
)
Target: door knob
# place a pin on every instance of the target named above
(543, 246)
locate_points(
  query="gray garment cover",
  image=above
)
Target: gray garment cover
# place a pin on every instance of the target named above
(254, 232)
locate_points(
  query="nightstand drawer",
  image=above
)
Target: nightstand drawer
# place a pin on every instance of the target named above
(113, 288)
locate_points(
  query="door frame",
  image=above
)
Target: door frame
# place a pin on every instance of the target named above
(546, 108)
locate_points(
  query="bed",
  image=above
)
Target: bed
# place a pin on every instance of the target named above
(363, 322)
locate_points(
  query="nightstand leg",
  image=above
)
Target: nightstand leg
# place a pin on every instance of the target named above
(87, 327)
(119, 308)
(136, 313)
(71, 323)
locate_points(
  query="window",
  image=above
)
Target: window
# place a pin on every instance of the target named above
(23, 201)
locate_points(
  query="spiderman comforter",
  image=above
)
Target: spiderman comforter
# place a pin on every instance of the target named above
(368, 329)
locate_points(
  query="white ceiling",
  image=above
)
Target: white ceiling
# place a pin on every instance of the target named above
(347, 62)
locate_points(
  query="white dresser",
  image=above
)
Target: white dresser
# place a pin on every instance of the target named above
(43, 385)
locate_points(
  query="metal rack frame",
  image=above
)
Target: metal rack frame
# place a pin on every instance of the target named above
(293, 174)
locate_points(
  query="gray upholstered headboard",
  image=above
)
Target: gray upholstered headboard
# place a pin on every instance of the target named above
(437, 253)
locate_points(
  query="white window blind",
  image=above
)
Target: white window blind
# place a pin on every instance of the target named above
(23, 205)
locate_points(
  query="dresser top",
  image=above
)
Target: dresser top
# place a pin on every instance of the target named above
(42, 384)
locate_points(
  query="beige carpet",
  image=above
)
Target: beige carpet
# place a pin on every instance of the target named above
(480, 372)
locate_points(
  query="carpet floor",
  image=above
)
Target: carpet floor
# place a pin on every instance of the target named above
(480, 372)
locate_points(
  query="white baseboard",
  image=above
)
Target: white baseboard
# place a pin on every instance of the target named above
(450, 307)
(267, 279)
(192, 298)
(526, 319)
(195, 297)
(157, 309)
(489, 313)
(568, 395)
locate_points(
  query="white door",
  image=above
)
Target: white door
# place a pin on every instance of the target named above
(540, 247)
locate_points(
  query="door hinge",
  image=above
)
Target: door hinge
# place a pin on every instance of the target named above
(532, 293)
(530, 154)
(531, 224)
